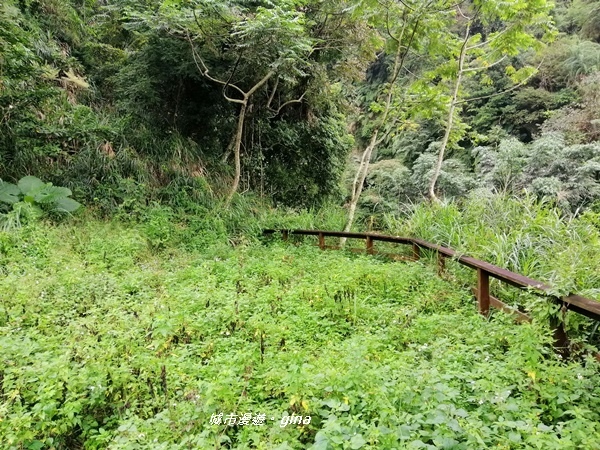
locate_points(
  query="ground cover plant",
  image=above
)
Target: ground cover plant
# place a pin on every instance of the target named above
(189, 126)
(111, 341)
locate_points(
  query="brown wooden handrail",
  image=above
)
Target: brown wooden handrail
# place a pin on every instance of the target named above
(485, 270)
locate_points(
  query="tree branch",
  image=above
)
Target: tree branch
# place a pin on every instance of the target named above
(289, 102)
(406, 6)
(387, 26)
(228, 82)
(482, 44)
(475, 69)
(270, 100)
(448, 8)
(201, 66)
(461, 13)
(512, 88)
(258, 85)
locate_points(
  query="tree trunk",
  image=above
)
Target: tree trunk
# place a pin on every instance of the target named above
(363, 169)
(237, 144)
(228, 149)
(450, 121)
(359, 182)
(240, 132)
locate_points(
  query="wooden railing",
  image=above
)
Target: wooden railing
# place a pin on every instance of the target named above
(485, 271)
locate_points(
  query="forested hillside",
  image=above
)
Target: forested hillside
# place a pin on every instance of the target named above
(145, 146)
(134, 101)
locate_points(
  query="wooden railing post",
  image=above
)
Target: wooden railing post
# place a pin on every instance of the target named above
(285, 235)
(483, 292)
(369, 244)
(416, 251)
(321, 241)
(441, 263)
(561, 340)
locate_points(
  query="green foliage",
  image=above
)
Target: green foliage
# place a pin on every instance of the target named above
(300, 164)
(522, 235)
(580, 123)
(388, 184)
(567, 61)
(455, 180)
(391, 186)
(31, 197)
(582, 17)
(569, 175)
(526, 110)
(129, 349)
(108, 107)
(504, 166)
(36, 192)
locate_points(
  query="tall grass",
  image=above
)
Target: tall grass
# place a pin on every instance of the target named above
(520, 234)
(193, 224)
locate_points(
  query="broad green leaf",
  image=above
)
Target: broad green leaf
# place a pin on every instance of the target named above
(30, 184)
(51, 194)
(36, 445)
(66, 204)
(357, 441)
(9, 193)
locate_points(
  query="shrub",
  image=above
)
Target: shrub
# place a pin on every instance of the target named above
(31, 197)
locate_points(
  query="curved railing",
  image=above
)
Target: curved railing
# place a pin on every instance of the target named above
(485, 271)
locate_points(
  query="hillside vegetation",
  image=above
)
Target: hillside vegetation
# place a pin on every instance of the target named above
(302, 102)
(146, 144)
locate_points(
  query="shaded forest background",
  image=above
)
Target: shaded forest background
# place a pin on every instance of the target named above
(110, 99)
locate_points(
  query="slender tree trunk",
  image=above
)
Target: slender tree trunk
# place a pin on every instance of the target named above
(229, 149)
(359, 182)
(237, 144)
(450, 121)
(363, 169)
(365, 160)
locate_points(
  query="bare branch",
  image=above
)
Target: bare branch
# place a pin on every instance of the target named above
(461, 13)
(289, 102)
(398, 65)
(482, 44)
(201, 66)
(512, 88)
(237, 62)
(387, 27)
(406, 6)
(258, 85)
(270, 100)
(410, 72)
(451, 6)
(475, 69)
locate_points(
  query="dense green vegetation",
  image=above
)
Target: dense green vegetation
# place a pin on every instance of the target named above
(125, 101)
(185, 127)
(108, 344)
(523, 236)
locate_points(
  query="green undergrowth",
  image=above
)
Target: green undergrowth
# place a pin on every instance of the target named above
(521, 234)
(109, 340)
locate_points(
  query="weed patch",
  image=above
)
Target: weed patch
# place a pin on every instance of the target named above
(108, 344)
